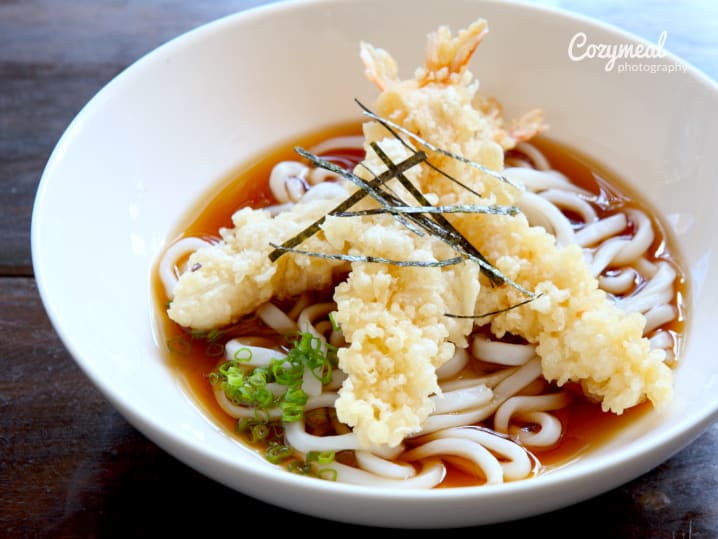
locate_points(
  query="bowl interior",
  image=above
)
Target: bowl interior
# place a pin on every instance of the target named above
(168, 129)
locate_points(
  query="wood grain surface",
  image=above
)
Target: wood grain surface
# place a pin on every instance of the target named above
(70, 465)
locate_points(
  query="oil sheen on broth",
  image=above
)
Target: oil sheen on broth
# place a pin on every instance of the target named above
(585, 425)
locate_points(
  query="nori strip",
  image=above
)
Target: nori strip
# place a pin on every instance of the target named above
(484, 315)
(377, 259)
(456, 208)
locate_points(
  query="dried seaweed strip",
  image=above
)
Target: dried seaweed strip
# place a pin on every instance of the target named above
(492, 313)
(457, 208)
(374, 259)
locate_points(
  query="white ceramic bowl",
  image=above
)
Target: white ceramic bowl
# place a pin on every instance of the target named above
(160, 135)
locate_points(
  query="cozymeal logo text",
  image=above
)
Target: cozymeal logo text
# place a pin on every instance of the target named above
(617, 55)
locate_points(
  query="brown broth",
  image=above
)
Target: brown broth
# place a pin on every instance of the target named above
(248, 185)
(586, 426)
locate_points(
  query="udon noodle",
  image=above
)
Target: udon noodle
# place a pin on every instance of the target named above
(495, 411)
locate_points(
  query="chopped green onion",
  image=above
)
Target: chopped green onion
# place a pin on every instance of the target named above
(214, 335)
(299, 467)
(322, 457)
(243, 354)
(258, 432)
(277, 452)
(291, 411)
(328, 474)
(246, 386)
(286, 375)
(335, 325)
(179, 345)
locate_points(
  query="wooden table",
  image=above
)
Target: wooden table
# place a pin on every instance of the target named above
(70, 465)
